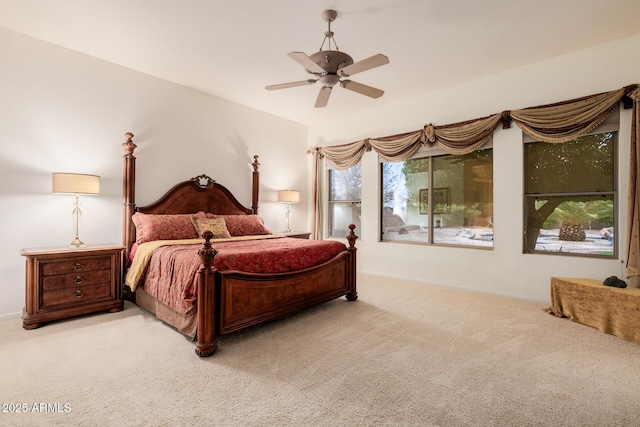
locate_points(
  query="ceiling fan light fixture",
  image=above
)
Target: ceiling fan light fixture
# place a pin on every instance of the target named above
(330, 80)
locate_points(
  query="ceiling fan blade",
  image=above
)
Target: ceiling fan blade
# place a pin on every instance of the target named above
(364, 65)
(292, 84)
(362, 89)
(304, 60)
(323, 97)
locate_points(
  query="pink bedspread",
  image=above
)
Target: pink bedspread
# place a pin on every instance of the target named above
(171, 276)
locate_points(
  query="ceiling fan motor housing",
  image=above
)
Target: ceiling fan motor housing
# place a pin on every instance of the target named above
(330, 60)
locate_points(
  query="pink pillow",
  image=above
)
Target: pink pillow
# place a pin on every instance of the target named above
(151, 227)
(243, 225)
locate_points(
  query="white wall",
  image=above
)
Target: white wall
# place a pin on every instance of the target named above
(505, 269)
(61, 111)
(64, 111)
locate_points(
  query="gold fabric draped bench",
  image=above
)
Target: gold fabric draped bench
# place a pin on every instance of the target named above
(611, 310)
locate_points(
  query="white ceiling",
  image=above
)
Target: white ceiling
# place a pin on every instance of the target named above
(234, 48)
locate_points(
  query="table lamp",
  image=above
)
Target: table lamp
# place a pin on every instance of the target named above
(76, 184)
(288, 197)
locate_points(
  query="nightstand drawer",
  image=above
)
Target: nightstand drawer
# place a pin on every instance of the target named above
(76, 294)
(82, 264)
(72, 280)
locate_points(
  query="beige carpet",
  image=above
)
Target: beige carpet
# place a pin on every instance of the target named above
(403, 354)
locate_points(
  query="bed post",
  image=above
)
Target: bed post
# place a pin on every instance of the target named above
(128, 193)
(206, 342)
(352, 295)
(255, 186)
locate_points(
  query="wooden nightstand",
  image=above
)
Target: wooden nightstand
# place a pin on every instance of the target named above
(298, 234)
(62, 282)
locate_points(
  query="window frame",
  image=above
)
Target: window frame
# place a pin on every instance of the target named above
(611, 125)
(331, 202)
(430, 153)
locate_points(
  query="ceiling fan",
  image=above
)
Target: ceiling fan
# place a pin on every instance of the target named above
(330, 66)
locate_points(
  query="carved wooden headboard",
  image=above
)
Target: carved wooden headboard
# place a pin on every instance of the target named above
(200, 193)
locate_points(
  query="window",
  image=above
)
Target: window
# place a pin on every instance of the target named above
(344, 200)
(457, 209)
(570, 196)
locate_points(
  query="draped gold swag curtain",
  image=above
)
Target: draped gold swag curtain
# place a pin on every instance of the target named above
(633, 201)
(554, 123)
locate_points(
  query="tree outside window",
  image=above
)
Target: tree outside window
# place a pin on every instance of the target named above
(570, 194)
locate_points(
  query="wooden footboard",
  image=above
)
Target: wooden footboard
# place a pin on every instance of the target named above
(232, 300)
(246, 299)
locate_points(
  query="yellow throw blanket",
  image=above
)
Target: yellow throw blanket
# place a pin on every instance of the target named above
(145, 250)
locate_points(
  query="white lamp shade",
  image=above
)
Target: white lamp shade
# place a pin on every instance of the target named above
(75, 183)
(288, 196)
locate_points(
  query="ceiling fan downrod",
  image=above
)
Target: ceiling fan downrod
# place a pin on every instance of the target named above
(329, 16)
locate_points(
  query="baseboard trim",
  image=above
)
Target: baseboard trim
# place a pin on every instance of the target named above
(10, 316)
(445, 285)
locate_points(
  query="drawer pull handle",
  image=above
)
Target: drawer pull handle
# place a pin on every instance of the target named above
(79, 293)
(79, 279)
(77, 267)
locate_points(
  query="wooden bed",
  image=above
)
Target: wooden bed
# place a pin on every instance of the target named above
(230, 300)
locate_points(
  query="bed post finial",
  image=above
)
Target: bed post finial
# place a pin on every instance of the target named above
(351, 237)
(255, 185)
(207, 252)
(128, 145)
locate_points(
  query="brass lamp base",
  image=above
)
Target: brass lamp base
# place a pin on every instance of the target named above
(77, 243)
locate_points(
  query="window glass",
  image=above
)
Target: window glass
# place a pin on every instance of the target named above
(405, 203)
(570, 196)
(344, 200)
(463, 199)
(456, 210)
